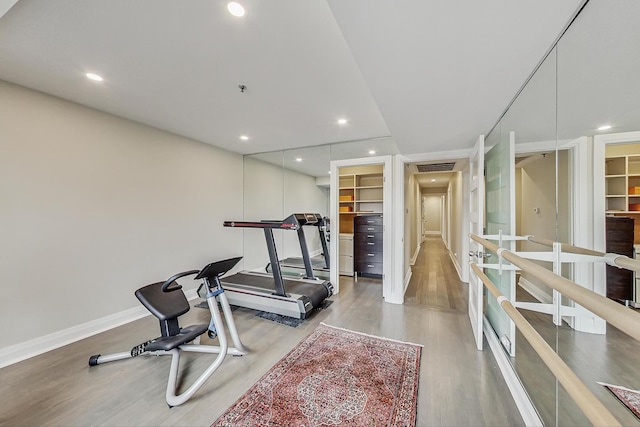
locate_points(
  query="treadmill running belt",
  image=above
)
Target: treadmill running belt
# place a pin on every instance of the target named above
(315, 292)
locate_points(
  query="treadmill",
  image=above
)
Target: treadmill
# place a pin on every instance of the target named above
(319, 265)
(271, 292)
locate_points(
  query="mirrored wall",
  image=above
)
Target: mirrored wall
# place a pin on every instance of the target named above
(569, 124)
(278, 184)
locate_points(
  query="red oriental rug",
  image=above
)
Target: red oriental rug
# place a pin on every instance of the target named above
(334, 377)
(630, 398)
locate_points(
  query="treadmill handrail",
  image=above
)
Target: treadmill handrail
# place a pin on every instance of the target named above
(271, 224)
(292, 222)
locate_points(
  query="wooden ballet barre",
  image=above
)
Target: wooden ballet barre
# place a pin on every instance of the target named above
(628, 321)
(592, 408)
(615, 260)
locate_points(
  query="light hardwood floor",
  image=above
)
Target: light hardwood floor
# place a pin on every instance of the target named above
(458, 385)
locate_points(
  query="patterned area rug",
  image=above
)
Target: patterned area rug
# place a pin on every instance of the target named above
(334, 377)
(630, 398)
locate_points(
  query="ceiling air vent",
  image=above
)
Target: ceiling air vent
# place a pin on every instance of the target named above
(437, 167)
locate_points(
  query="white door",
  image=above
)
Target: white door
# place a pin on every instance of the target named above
(432, 211)
(476, 225)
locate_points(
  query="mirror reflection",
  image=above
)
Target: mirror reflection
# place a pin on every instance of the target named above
(576, 128)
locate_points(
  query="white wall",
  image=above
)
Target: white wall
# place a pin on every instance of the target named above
(95, 206)
(537, 190)
(459, 222)
(263, 199)
(272, 192)
(411, 221)
(303, 195)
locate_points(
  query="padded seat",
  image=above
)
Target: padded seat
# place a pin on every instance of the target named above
(185, 335)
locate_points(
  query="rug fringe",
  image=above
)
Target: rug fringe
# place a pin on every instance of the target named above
(618, 386)
(369, 335)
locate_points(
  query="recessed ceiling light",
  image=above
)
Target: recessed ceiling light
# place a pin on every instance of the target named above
(329, 172)
(433, 180)
(342, 121)
(372, 151)
(235, 9)
(604, 127)
(244, 137)
(94, 77)
(298, 159)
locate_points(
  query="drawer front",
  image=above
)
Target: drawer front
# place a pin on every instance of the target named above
(368, 228)
(363, 246)
(368, 256)
(346, 265)
(368, 237)
(346, 246)
(368, 220)
(369, 267)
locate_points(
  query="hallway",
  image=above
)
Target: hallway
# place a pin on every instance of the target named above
(463, 386)
(434, 280)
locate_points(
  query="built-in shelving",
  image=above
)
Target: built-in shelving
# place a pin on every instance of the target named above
(622, 184)
(360, 194)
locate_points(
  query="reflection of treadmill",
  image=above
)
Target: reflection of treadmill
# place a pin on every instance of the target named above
(316, 267)
(271, 293)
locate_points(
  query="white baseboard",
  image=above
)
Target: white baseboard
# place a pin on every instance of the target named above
(535, 291)
(415, 256)
(523, 401)
(407, 279)
(456, 265)
(28, 349)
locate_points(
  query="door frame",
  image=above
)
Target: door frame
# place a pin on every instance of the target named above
(400, 274)
(599, 207)
(387, 217)
(441, 213)
(599, 216)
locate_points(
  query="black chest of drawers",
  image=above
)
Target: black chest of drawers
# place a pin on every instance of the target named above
(367, 245)
(620, 241)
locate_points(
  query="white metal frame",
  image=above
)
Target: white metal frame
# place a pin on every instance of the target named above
(557, 309)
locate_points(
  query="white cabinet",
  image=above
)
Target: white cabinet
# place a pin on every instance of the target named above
(345, 242)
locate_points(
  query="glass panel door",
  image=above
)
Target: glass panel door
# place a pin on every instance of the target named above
(500, 220)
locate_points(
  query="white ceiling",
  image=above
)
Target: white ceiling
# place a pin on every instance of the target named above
(431, 74)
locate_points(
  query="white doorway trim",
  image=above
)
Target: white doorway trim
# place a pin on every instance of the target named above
(441, 214)
(399, 273)
(448, 226)
(388, 285)
(599, 208)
